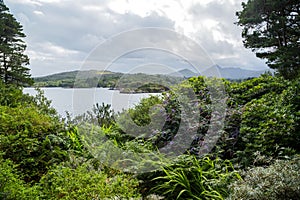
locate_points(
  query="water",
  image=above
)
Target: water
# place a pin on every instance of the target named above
(79, 100)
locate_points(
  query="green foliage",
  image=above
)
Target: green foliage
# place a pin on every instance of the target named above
(158, 118)
(255, 88)
(10, 95)
(262, 123)
(101, 115)
(11, 185)
(12, 47)
(138, 125)
(63, 182)
(196, 179)
(84, 182)
(152, 88)
(140, 113)
(33, 140)
(41, 103)
(278, 181)
(271, 29)
(104, 114)
(268, 128)
(31, 134)
(75, 142)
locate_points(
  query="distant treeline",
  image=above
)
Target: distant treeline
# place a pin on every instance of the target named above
(127, 83)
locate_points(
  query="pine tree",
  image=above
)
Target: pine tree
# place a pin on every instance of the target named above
(13, 61)
(271, 28)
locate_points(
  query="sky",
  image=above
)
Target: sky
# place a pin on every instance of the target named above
(157, 36)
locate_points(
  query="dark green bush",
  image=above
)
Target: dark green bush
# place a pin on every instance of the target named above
(33, 140)
(268, 128)
(11, 184)
(255, 88)
(11, 95)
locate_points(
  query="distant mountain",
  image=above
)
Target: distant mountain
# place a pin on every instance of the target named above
(184, 73)
(238, 73)
(217, 71)
(109, 79)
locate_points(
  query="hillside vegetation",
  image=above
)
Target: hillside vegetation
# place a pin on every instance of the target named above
(202, 138)
(43, 156)
(126, 83)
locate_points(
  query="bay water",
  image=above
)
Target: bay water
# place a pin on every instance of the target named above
(77, 101)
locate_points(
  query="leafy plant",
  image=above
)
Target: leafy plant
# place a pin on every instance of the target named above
(278, 181)
(243, 92)
(33, 140)
(196, 179)
(268, 129)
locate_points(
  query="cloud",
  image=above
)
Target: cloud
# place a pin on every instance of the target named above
(62, 33)
(217, 33)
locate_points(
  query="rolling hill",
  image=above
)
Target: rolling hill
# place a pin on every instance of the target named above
(130, 82)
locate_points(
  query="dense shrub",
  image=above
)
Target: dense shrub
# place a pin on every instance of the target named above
(245, 91)
(268, 128)
(33, 140)
(262, 123)
(12, 186)
(279, 181)
(11, 95)
(141, 112)
(31, 133)
(84, 182)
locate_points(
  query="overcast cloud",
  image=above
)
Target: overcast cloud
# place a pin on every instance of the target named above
(62, 35)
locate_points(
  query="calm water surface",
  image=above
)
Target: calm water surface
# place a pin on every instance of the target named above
(79, 100)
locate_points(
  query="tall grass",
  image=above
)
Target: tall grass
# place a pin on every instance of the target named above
(196, 179)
